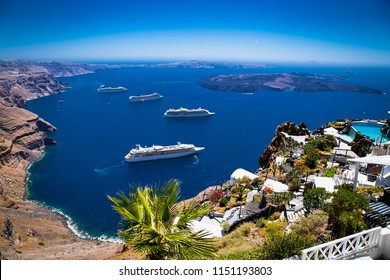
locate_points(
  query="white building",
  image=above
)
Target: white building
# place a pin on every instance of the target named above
(275, 185)
(241, 173)
(324, 182)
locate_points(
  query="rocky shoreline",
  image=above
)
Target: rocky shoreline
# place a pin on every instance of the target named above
(30, 230)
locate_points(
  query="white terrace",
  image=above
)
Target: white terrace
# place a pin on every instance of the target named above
(369, 244)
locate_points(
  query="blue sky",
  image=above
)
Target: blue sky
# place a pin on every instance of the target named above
(325, 31)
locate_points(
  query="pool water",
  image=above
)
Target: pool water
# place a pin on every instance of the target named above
(372, 130)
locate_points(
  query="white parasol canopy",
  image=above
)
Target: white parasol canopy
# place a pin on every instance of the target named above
(381, 160)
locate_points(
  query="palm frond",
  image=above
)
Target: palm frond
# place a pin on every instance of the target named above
(191, 211)
(150, 228)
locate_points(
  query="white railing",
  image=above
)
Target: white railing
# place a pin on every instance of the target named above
(344, 247)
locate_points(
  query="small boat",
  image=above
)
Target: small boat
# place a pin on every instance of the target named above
(104, 89)
(161, 152)
(184, 112)
(146, 97)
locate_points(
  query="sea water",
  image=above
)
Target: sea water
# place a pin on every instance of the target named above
(95, 131)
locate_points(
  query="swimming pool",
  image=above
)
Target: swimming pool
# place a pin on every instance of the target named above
(370, 129)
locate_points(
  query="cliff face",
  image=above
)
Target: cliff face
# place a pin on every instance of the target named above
(17, 86)
(22, 142)
(27, 229)
(280, 140)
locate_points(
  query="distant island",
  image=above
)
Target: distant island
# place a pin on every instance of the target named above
(299, 82)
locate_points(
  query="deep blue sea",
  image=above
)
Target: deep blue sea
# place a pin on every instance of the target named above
(95, 131)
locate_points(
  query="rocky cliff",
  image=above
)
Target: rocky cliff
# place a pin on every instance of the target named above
(361, 144)
(27, 229)
(280, 140)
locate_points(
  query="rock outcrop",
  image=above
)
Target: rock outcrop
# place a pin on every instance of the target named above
(361, 144)
(280, 140)
(385, 130)
(17, 87)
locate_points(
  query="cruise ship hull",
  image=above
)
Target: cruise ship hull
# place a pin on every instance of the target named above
(109, 89)
(129, 158)
(184, 115)
(144, 98)
(187, 113)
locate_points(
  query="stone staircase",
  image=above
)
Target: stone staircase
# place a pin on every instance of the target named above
(293, 216)
(300, 191)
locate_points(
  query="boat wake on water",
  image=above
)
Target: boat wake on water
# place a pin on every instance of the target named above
(105, 171)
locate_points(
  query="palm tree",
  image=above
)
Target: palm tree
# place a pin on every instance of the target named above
(154, 224)
(279, 200)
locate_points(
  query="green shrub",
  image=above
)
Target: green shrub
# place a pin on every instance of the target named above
(236, 240)
(314, 224)
(280, 246)
(261, 222)
(330, 172)
(275, 216)
(223, 201)
(225, 226)
(256, 198)
(252, 254)
(374, 190)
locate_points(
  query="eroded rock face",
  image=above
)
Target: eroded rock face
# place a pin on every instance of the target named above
(269, 153)
(17, 87)
(385, 130)
(22, 134)
(292, 129)
(280, 139)
(361, 144)
(10, 233)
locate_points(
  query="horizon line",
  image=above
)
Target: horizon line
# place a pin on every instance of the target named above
(189, 59)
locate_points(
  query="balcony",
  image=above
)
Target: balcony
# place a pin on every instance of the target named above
(369, 244)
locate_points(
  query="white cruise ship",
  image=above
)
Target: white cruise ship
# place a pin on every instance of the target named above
(184, 112)
(161, 152)
(104, 89)
(146, 97)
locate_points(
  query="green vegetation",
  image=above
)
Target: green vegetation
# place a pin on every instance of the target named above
(315, 199)
(272, 243)
(374, 190)
(223, 201)
(156, 226)
(284, 245)
(293, 181)
(345, 211)
(313, 148)
(330, 172)
(236, 242)
(313, 225)
(280, 200)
